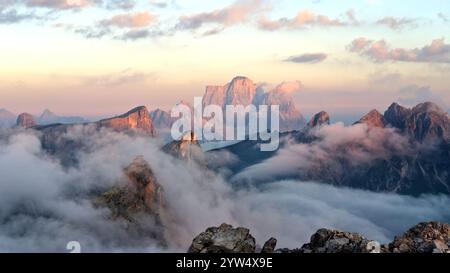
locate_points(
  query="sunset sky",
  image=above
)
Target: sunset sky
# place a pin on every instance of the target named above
(94, 57)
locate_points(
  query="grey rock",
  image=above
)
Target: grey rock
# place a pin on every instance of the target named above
(223, 239)
(269, 246)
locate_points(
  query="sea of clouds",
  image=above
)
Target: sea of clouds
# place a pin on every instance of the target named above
(44, 205)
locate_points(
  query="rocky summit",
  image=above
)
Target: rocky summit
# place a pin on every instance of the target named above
(334, 241)
(137, 200)
(239, 91)
(223, 239)
(25, 120)
(319, 119)
(186, 148)
(424, 122)
(373, 119)
(431, 237)
(140, 192)
(243, 91)
(137, 119)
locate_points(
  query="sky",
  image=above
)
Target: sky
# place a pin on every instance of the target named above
(103, 57)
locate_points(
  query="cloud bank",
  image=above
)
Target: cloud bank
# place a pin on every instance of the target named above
(49, 205)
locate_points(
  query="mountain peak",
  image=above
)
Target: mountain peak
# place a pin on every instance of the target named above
(373, 119)
(47, 111)
(135, 110)
(7, 119)
(319, 119)
(428, 122)
(25, 120)
(47, 114)
(5, 113)
(137, 119)
(427, 107)
(241, 79)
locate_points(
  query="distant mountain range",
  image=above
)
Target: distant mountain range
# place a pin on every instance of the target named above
(404, 150)
(9, 119)
(408, 151)
(48, 117)
(242, 91)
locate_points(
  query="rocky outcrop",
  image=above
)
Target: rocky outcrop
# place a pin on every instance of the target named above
(269, 246)
(396, 115)
(431, 237)
(25, 120)
(373, 119)
(161, 119)
(139, 193)
(428, 122)
(334, 241)
(186, 148)
(424, 122)
(240, 91)
(223, 239)
(136, 120)
(137, 202)
(319, 119)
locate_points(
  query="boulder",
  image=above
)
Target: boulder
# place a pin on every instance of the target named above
(334, 241)
(223, 239)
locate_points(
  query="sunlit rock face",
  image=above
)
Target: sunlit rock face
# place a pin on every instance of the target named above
(138, 192)
(144, 181)
(240, 91)
(243, 91)
(56, 138)
(373, 119)
(137, 119)
(138, 200)
(25, 120)
(319, 119)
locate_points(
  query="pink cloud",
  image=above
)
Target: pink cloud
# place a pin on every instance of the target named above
(437, 52)
(305, 19)
(237, 13)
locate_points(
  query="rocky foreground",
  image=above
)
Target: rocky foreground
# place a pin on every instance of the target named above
(430, 237)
